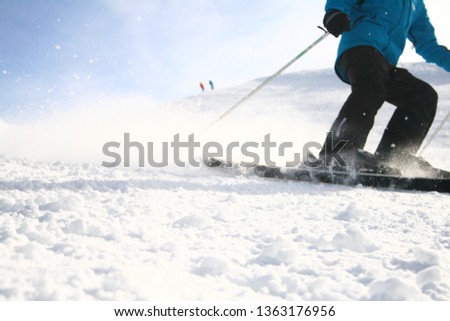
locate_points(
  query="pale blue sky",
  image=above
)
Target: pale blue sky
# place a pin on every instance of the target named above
(56, 52)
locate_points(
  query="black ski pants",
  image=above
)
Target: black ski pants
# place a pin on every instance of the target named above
(374, 81)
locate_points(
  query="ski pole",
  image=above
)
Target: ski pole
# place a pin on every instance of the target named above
(266, 82)
(433, 136)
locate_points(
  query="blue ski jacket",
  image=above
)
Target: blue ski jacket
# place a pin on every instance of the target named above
(385, 25)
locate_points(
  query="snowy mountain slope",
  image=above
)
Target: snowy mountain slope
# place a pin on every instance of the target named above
(71, 229)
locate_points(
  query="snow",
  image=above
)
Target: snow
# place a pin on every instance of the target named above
(71, 229)
(392, 289)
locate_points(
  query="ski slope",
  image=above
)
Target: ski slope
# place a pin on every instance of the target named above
(71, 229)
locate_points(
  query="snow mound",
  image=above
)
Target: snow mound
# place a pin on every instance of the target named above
(197, 221)
(393, 289)
(277, 253)
(431, 275)
(211, 266)
(353, 212)
(425, 257)
(354, 239)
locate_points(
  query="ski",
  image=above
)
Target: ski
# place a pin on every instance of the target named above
(312, 175)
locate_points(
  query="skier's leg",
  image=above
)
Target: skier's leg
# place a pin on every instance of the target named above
(368, 72)
(416, 103)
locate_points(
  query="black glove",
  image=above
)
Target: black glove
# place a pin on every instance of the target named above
(336, 22)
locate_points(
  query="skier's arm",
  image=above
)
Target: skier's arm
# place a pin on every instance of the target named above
(336, 19)
(341, 5)
(422, 35)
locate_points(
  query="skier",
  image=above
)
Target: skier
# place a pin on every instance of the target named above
(202, 87)
(211, 84)
(374, 33)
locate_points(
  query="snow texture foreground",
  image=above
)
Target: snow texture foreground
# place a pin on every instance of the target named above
(79, 231)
